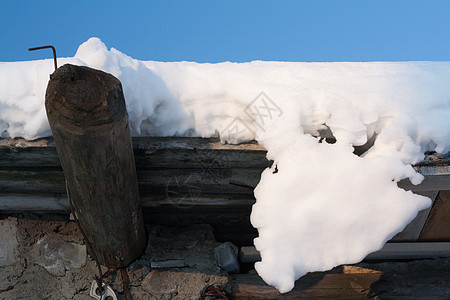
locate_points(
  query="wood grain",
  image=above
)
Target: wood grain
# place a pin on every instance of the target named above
(188, 179)
(425, 279)
(311, 286)
(87, 114)
(437, 227)
(390, 251)
(413, 229)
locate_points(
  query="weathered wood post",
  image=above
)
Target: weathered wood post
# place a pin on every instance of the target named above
(87, 114)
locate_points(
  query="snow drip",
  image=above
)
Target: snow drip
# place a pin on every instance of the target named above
(319, 205)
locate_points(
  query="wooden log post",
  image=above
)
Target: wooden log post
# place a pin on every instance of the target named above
(87, 114)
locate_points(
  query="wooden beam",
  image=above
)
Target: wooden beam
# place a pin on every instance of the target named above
(396, 251)
(437, 227)
(413, 229)
(390, 251)
(179, 152)
(426, 279)
(57, 202)
(42, 203)
(186, 180)
(149, 152)
(249, 254)
(436, 170)
(153, 181)
(207, 164)
(311, 286)
(437, 182)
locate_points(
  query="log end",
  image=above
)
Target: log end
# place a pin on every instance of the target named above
(83, 100)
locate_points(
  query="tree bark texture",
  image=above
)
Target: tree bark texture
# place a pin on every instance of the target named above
(87, 114)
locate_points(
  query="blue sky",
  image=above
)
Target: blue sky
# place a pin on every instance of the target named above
(215, 31)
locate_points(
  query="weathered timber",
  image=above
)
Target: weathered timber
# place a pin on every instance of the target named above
(45, 203)
(437, 227)
(187, 180)
(396, 251)
(424, 279)
(311, 286)
(413, 229)
(87, 114)
(32, 181)
(154, 181)
(437, 182)
(161, 162)
(390, 251)
(249, 254)
(149, 152)
(57, 202)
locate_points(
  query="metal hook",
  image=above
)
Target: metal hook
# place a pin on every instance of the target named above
(46, 47)
(108, 292)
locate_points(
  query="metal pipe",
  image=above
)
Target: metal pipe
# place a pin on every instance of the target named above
(46, 47)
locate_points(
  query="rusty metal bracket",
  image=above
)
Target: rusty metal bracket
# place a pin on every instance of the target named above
(47, 47)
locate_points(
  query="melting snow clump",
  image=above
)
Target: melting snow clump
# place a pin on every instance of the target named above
(319, 205)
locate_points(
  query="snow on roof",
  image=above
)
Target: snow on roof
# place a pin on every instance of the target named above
(319, 205)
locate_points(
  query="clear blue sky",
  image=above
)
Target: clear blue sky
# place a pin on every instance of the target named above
(245, 30)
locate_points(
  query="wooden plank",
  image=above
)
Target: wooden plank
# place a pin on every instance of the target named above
(145, 143)
(436, 170)
(413, 229)
(32, 181)
(177, 152)
(212, 181)
(390, 251)
(311, 286)
(249, 254)
(41, 202)
(192, 143)
(16, 153)
(149, 152)
(437, 182)
(435, 159)
(170, 152)
(171, 166)
(437, 227)
(425, 279)
(187, 201)
(396, 251)
(58, 202)
(151, 181)
(157, 180)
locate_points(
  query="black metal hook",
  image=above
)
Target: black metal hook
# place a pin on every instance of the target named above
(47, 47)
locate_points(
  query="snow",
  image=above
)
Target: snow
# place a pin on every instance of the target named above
(319, 205)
